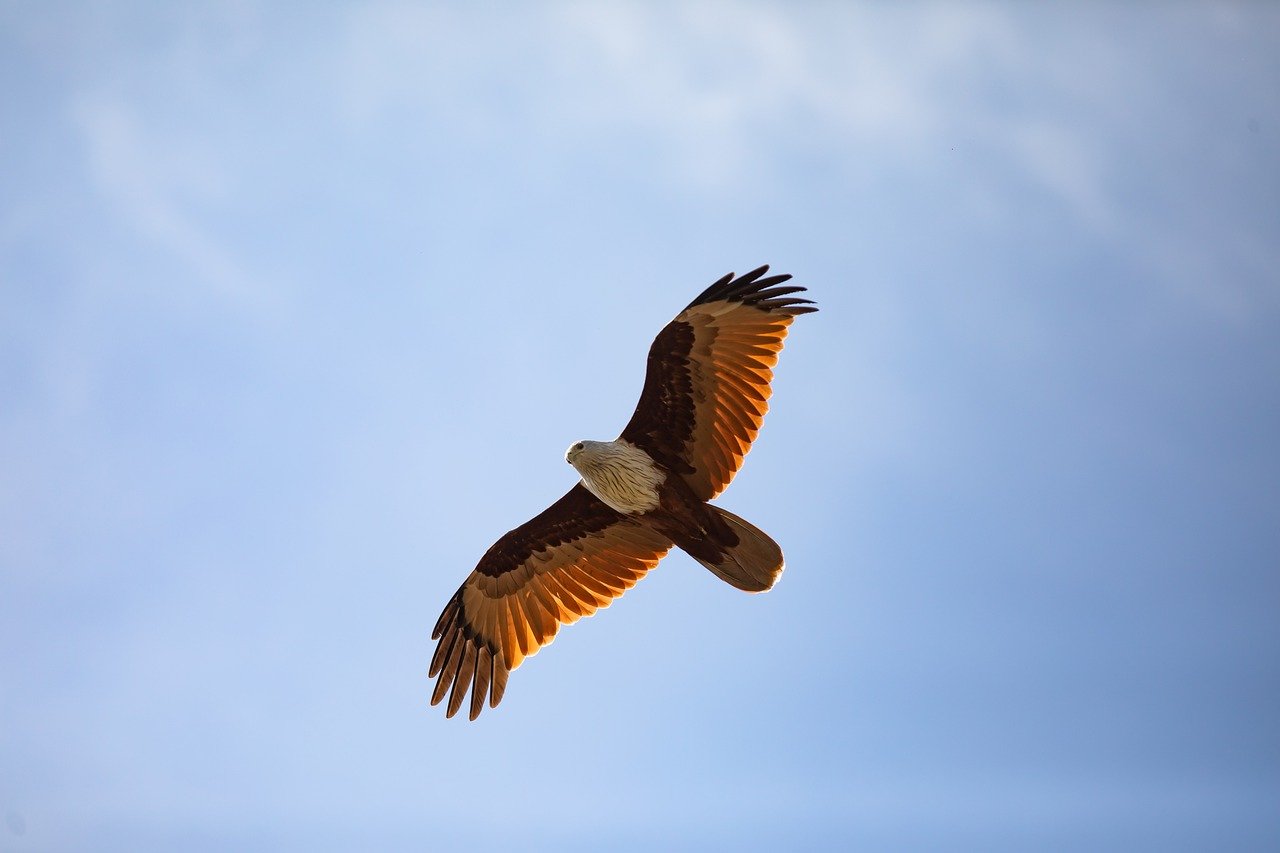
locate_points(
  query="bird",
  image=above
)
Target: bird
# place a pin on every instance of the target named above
(705, 394)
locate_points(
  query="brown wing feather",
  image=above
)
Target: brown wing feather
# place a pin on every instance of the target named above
(574, 557)
(706, 388)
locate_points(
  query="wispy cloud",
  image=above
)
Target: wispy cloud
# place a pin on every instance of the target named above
(150, 181)
(707, 92)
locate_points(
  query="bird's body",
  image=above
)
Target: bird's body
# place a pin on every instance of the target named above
(703, 403)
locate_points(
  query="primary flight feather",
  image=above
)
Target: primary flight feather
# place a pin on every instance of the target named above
(705, 394)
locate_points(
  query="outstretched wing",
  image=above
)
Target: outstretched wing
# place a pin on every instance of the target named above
(574, 557)
(707, 385)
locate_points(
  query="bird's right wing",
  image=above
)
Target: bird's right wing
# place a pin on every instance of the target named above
(576, 556)
(706, 388)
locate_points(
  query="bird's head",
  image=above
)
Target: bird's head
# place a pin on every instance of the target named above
(575, 450)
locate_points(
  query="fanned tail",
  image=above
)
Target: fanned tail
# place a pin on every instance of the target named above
(737, 552)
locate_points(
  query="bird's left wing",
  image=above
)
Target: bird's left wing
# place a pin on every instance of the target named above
(576, 556)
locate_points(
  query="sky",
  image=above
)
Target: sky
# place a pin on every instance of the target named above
(301, 304)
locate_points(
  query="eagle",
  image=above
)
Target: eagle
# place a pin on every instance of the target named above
(706, 390)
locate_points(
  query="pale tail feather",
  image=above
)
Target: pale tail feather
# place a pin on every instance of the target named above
(752, 565)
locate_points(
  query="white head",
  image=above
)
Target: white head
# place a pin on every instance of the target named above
(577, 450)
(618, 473)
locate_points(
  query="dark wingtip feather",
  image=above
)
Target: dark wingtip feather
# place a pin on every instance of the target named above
(756, 290)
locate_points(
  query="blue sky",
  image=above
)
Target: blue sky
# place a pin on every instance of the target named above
(301, 304)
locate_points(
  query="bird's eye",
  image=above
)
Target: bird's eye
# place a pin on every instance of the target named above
(578, 446)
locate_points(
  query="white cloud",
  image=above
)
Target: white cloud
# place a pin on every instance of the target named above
(148, 180)
(1066, 105)
(712, 86)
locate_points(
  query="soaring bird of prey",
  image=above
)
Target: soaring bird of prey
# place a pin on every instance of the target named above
(705, 395)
